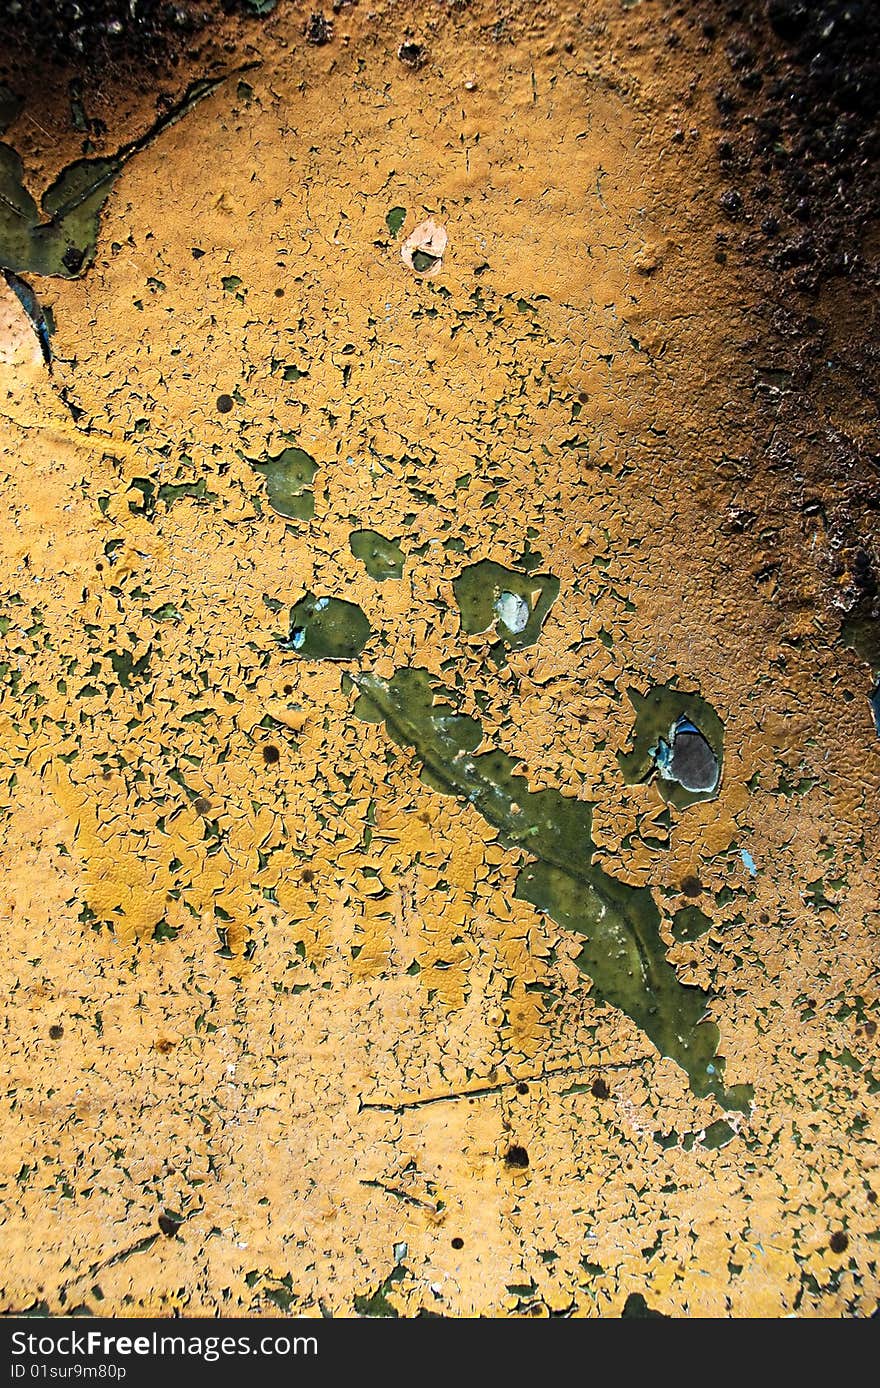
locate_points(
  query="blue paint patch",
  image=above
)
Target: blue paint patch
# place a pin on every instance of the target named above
(31, 305)
(874, 701)
(748, 861)
(661, 754)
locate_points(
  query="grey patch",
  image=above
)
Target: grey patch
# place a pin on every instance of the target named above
(692, 762)
(513, 611)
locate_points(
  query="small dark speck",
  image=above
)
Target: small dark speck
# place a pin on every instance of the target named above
(224, 403)
(56, 1032)
(871, 1197)
(522, 1089)
(517, 1157)
(279, 293)
(636, 1308)
(458, 1243)
(270, 754)
(731, 203)
(838, 1242)
(319, 30)
(202, 805)
(288, 689)
(412, 55)
(691, 886)
(72, 259)
(168, 1225)
(600, 1089)
(307, 875)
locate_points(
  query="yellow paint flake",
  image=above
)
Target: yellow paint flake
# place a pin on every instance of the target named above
(260, 971)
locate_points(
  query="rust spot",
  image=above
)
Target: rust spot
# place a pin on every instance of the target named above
(517, 1158)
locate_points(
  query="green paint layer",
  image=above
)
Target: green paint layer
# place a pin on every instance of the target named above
(289, 476)
(59, 238)
(656, 714)
(327, 629)
(514, 603)
(394, 219)
(382, 558)
(690, 923)
(622, 950)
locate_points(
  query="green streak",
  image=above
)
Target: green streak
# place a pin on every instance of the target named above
(60, 238)
(480, 588)
(622, 950)
(289, 476)
(382, 558)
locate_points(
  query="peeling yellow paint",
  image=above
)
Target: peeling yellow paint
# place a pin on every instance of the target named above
(297, 1002)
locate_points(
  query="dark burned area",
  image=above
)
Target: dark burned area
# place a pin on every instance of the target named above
(798, 145)
(799, 134)
(68, 31)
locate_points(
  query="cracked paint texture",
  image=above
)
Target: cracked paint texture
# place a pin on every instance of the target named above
(259, 979)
